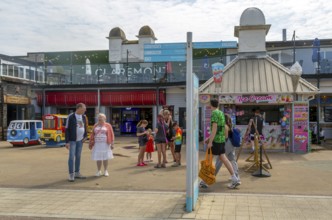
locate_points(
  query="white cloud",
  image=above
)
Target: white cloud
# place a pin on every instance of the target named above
(52, 25)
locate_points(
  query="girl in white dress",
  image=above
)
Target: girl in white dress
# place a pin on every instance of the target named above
(101, 144)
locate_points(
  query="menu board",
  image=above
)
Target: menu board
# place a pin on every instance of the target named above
(300, 127)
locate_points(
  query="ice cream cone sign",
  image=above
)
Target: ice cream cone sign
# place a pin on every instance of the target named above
(217, 70)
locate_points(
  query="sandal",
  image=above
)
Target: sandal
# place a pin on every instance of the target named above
(157, 166)
(163, 165)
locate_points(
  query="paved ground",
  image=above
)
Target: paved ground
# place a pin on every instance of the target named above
(91, 204)
(33, 185)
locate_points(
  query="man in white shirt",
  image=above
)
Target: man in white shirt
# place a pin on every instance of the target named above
(76, 134)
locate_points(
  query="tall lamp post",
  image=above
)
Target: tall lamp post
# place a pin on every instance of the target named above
(127, 65)
(316, 58)
(98, 75)
(293, 39)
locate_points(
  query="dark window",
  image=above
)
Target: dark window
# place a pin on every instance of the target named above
(271, 114)
(313, 114)
(328, 114)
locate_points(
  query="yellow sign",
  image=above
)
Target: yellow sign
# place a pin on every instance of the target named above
(9, 99)
(204, 98)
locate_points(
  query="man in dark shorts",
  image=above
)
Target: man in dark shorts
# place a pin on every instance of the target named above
(216, 141)
(257, 122)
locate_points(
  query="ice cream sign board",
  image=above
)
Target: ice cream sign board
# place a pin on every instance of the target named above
(241, 99)
(217, 69)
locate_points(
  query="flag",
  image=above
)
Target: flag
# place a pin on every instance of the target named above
(169, 67)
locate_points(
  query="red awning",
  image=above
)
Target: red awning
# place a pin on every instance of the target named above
(71, 98)
(107, 98)
(133, 97)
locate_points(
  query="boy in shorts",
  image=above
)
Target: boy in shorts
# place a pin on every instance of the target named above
(216, 141)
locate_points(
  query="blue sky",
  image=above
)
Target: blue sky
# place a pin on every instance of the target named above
(53, 25)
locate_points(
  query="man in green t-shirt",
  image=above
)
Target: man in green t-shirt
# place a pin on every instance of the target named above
(216, 141)
(218, 118)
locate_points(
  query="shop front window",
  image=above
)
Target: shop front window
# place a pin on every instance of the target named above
(115, 119)
(328, 114)
(271, 114)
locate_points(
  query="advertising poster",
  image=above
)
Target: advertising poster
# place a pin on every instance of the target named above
(207, 121)
(300, 127)
(217, 70)
(272, 137)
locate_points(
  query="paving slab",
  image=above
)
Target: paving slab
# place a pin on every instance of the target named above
(41, 167)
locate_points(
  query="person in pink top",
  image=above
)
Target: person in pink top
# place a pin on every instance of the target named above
(102, 143)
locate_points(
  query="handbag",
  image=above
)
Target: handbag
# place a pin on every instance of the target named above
(207, 171)
(145, 138)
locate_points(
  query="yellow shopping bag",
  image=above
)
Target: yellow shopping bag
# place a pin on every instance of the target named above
(207, 171)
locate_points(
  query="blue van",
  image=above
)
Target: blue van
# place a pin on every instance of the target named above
(24, 132)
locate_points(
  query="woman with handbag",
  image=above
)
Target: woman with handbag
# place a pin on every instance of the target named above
(170, 132)
(161, 140)
(142, 140)
(101, 143)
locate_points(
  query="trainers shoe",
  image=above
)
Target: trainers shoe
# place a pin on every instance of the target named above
(140, 165)
(79, 176)
(239, 181)
(175, 165)
(71, 177)
(106, 173)
(203, 185)
(235, 182)
(233, 185)
(98, 173)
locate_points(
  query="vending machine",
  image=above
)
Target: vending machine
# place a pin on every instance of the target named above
(129, 120)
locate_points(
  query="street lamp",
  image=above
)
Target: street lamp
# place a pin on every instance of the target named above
(99, 70)
(316, 58)
(127, 65)
(293, 39)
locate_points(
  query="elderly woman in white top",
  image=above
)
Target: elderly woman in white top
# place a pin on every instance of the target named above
(101, 143)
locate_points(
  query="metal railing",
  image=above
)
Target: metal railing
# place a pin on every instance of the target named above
(124, 73)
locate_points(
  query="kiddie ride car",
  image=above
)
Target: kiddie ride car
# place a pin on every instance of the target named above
(24, 132)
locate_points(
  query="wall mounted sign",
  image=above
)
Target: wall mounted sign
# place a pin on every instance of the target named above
(247, 99)
(8, 99)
